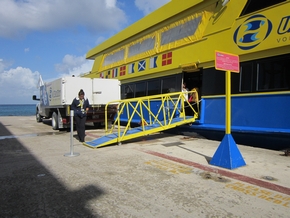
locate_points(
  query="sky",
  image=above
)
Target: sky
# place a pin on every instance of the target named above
(52, 37)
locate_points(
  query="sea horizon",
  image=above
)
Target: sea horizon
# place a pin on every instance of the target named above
(17, 109)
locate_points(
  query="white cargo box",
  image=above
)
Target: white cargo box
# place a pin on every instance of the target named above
(63, 90)
(105, 90)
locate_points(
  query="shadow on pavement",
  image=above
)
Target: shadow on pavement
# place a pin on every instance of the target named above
(28, 189)
(208, 158)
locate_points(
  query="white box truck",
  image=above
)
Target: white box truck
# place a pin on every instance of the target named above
(56, 98)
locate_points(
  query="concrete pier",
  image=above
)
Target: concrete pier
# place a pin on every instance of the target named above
(159, 175)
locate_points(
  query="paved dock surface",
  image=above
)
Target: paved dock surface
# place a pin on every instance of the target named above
(159, 175)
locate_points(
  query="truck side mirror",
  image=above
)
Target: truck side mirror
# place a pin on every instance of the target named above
(34, 98)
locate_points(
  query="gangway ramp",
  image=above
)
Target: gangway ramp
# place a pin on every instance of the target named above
(155, 113)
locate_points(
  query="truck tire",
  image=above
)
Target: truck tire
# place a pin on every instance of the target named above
(38, 117)
(54, 121)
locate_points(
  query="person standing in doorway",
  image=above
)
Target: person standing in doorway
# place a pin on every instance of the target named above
(185, 90)
(80, 105)
(185, 94)
(194, 100)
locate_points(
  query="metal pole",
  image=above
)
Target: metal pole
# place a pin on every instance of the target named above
(71, 154)
(228, 102)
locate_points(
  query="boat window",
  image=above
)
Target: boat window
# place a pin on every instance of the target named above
(114, 57)
(273, 75)
(213, 82)
(254, 5)
(154, 87)
(169, 85)
(246, 77)
(127, 91)
(140, 89)
(180, 31)
(141, 47)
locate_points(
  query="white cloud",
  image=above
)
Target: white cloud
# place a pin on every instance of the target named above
(22, 16)
(4, 65)
(72, 65)
(111, 3)
(18, 84)
(76, 71)
(147, 6)
(26, 50)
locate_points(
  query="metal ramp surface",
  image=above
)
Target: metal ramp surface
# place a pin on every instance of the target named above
(136, 132)
(155, 113)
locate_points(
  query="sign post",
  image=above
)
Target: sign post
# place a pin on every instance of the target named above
(228, 102)
(227, 154)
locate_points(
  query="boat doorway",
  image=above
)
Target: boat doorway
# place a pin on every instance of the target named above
(193, 80)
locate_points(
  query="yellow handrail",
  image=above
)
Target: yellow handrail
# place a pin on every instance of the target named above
(172, 105)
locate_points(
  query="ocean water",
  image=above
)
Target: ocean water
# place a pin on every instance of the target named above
(17, 109)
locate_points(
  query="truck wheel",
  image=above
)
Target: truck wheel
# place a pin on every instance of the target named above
(38, 117)
(54, 121)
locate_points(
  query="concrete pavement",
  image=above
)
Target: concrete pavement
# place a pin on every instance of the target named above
(160, 175)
